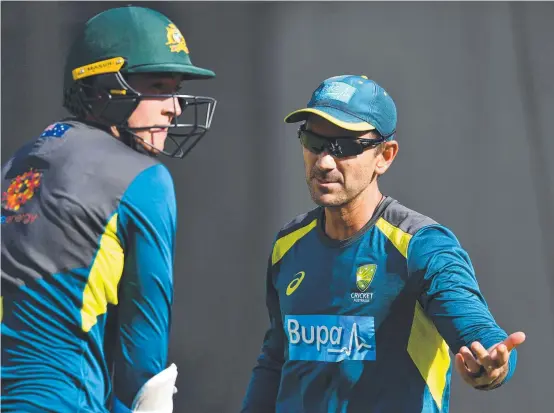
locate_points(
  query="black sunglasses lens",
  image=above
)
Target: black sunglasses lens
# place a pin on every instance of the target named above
(347, 147)
(339, 148)
(312, 142)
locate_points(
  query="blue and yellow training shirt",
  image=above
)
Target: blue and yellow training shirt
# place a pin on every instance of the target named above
(365, 325)
(88, 229)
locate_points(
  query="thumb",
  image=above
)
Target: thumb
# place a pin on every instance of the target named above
(514, 340)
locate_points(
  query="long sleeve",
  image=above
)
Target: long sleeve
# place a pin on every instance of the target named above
(262, 390)
(147, 221)
(450, 292)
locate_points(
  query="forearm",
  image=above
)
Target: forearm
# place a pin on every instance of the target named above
(452, 299)
(147, 229)
(261, 394)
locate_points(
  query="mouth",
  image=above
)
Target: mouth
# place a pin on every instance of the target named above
(159, 132)
(324, 183)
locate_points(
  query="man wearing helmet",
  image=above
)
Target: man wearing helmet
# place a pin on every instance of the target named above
(89, 219)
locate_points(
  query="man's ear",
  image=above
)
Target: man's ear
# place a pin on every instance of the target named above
(386, 157)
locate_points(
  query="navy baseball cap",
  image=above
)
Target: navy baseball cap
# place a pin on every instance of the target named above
(351, 102)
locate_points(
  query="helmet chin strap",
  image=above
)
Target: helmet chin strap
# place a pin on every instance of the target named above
(131, 139)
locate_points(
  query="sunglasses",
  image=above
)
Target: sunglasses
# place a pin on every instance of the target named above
(339, 147)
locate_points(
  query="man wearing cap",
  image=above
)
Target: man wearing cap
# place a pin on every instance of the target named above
(88, 225)
(365, 296)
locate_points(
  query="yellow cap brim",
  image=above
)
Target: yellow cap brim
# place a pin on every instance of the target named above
(302, 115)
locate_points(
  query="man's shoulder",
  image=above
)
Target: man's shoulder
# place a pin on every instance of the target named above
(95, 151)
(100, 144)
(90, 163)
(405, 219)
(303, 222)
(292, 232)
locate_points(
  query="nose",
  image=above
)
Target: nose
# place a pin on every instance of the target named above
(172, 107)
(177, 105)
(325, 161)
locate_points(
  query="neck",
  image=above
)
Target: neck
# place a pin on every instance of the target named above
(345, 221)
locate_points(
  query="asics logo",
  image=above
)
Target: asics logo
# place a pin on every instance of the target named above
(293, 285)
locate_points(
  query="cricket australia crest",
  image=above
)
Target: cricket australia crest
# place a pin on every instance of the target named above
(175, 40)
(364, 276)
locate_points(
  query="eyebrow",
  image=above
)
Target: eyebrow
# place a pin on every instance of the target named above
(340, 133)
(162, 84)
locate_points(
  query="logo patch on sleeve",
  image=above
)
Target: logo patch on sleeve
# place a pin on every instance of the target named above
(20, 191)
(55, 130)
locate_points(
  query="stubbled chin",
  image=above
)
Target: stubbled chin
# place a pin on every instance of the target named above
(327, 201)
(325, 198)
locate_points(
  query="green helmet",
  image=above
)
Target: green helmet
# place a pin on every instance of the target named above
(128, 40)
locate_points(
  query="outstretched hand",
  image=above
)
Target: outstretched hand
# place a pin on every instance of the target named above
(481, 368)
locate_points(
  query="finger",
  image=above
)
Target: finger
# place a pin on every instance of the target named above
(461, 367)
(471, 363)
(463, 371)
(482, 354)
(500, 355)
(514, 340)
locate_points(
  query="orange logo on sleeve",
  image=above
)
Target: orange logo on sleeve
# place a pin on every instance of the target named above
(21, 190)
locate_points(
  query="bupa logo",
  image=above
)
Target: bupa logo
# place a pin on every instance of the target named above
(330, 338)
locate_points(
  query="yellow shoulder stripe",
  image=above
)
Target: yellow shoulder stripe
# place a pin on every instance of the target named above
(103, 278)
(399, 238)
(284, 244)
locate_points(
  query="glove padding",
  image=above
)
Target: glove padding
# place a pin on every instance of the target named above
(156, 395)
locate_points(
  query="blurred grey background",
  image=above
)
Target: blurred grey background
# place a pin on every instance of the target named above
(474, 90)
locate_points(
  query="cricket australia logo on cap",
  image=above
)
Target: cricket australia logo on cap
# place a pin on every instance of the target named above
(337, 91)
(364, 277)
(175, 40)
